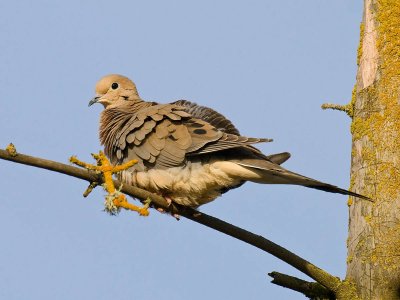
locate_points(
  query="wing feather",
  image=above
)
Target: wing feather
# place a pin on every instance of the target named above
(166, 135)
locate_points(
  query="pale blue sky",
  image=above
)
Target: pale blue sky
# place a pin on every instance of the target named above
(267, 65)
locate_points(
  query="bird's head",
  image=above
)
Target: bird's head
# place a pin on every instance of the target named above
(113, 90)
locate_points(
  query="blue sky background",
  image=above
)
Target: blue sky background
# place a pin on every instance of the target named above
(267, 65)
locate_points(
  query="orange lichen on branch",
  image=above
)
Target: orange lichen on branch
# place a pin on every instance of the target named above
(115, 200)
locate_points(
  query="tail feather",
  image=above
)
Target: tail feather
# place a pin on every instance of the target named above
(268, 172)
(279, 158)
(334, 189)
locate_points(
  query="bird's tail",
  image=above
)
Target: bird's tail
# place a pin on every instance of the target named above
(334, 189)
(268, 172)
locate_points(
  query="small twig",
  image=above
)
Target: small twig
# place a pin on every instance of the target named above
(312, 290)
(330, 282)
(348, 109)
(90, 188)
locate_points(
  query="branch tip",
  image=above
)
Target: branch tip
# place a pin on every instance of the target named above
(90, 188)
(348, 109)
(312, 290)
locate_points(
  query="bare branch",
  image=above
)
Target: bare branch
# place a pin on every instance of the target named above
(312, 290)
(330, 282)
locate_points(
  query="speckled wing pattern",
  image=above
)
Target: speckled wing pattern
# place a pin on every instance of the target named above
(164, 135)
(223, 124)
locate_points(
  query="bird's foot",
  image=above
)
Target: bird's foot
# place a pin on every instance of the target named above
(115, 200)
(169, 203)
(169, 200)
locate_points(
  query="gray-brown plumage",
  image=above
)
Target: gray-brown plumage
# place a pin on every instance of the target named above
(186, 152)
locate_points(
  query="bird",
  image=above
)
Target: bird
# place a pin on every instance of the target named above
(187, 153)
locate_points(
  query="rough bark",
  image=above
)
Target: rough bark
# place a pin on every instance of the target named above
(373, 262)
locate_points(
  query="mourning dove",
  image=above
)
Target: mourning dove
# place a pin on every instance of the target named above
(187, 153)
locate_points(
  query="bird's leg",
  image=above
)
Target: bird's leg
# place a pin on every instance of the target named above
(115, 200)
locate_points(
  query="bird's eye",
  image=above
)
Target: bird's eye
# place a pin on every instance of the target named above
(114, 86)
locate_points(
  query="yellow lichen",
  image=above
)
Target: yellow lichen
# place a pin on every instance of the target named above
(368, 218)
(347, 290)
(346, 108)
(350, 201)
(349, 259)
(352, 101)
(11, 150)
(373, 258)
(115, 200)
(376, 151)
(359, 49)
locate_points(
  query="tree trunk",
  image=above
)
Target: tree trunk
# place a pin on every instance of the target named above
(373, 262)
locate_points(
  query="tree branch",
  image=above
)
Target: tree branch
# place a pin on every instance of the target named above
(347, 108)
(332, 283)
(312, 290)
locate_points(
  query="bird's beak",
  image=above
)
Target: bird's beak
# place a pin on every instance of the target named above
(94, 100)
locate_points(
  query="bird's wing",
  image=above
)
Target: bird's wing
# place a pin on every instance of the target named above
(231, 138)
(223, 124)
(209, 115)
(163, 135)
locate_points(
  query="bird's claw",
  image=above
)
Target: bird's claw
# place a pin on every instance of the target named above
(169, 203)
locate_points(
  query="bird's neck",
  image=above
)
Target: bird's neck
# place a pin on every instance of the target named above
(112, 121)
